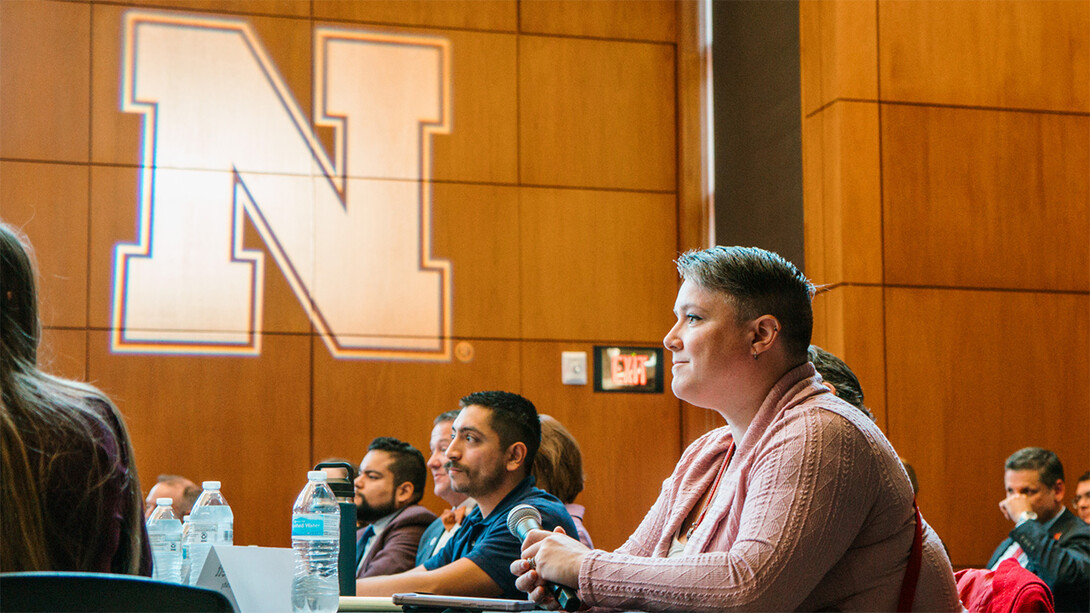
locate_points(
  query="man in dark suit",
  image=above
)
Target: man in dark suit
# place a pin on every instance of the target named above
(1047, 539)
(390, 485)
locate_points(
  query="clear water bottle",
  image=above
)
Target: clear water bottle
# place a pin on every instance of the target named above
(211, 522)
(186, 557)
(165, 537)
(315, 537)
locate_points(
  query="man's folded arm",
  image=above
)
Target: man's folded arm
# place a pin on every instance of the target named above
(461, 577)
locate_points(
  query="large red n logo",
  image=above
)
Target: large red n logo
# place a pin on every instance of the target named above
(225, 140)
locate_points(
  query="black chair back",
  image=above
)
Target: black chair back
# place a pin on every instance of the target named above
(75, 592)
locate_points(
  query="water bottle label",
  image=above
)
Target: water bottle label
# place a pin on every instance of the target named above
(311, 524)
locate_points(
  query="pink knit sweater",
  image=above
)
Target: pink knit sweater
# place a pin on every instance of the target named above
(814, 512)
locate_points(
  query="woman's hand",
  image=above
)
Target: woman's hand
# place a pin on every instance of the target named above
(556, 559)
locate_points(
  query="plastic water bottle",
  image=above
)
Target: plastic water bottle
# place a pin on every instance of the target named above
(165, 537)
(211, 522)
(315, 537)
(186, 556)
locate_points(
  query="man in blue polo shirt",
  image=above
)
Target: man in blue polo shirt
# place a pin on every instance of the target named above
(494, 440)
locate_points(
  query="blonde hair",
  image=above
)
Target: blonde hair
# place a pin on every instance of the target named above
(558, 467)
(57, 439)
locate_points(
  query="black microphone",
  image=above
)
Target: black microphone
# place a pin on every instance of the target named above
(520, 521)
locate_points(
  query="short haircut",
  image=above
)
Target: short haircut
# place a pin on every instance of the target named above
(834, 371)
(558, 468)
(1084, 477)
(407, 465)
(190, 491)
(446, 416)
(1046, 463)
(514, 419)
(757, 282)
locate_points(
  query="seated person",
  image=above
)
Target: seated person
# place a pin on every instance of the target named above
(798, 503)
(388, 488)
(837, 376)
(496, 436)
(71, 497)
(440, 530)
(1047, 540)
(179, 489)
(558, 469)
(1081, 503)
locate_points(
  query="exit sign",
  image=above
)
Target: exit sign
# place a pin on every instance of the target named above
(628, 369)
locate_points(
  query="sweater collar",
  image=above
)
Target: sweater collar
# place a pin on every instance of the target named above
(795, 386)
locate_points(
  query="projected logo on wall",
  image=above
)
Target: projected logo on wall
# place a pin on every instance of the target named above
(224, 140)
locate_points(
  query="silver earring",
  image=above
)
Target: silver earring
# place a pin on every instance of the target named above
(754, 355)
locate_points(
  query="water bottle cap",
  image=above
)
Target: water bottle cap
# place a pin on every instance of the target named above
(164, 502)
(211, 485)
(316, 475)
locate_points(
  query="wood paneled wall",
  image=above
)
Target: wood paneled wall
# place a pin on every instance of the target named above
(556, 198)
(945, 152)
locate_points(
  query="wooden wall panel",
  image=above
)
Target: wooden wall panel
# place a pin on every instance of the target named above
(355, 401)
(116, 137)
(956, 217)
(623, 438)
(483, 141)
(651, 20)
(597, 265)
(476, 228)
(974, 376)
(45, 80)
(842, 209)
(293, 8)
(838, 43)
(499, 15)
(49, 202)
(242, 421)
(851, 197)
(597, 114)
(1022, 54)
(853, 329)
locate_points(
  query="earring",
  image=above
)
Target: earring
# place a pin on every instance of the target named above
(754, 355)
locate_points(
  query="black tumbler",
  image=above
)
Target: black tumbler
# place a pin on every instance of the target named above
(345, 492)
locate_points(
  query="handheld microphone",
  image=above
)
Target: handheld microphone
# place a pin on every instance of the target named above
(520, 521)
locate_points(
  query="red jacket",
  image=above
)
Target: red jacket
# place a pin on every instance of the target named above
(1006, 589)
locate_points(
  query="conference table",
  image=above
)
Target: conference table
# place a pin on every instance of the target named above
(367, 603)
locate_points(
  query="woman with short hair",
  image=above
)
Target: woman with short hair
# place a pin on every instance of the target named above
(798, 503)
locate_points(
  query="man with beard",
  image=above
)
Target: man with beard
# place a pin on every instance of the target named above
(390, 485)
(494, 440)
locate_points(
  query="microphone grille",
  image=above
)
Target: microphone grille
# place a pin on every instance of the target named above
(519, 513)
